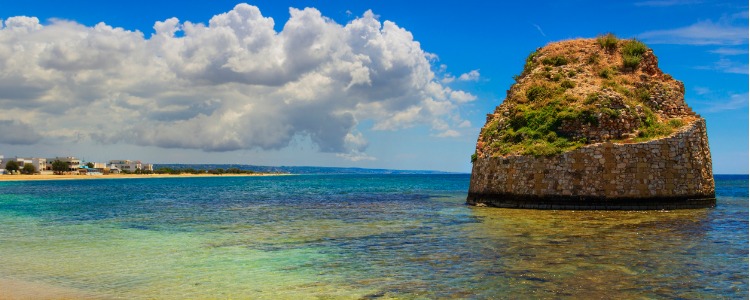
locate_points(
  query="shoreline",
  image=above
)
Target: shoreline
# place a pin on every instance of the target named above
(15, 289)
(41, 177)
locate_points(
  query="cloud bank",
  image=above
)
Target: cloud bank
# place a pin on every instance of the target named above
(232, 84)
(14, 132)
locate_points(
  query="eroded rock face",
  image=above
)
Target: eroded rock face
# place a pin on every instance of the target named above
(584, 127)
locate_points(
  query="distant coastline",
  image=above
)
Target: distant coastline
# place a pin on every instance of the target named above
(302, 170)
(33, 177)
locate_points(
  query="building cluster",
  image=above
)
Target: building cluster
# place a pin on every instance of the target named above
(76, 166)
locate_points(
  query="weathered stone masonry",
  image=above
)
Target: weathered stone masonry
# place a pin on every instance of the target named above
(672, 172)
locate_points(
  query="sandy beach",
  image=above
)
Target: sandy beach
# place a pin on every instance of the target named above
(21, 177)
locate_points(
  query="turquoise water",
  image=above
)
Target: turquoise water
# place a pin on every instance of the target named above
(358, 236)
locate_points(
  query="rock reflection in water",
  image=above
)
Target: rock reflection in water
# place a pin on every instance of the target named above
(606, 254)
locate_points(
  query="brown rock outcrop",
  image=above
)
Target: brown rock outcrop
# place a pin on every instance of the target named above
(593, 124)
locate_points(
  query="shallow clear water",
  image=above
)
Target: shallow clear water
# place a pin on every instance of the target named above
(358, 236)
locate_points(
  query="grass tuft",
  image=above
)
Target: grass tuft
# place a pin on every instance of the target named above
(607, 73)
(608, 42)
(676, 123)
(556, 61)
(530, 61)
(617, 88)
(537, 93)
(567, 84)
(634, 47)
(611, 112)
(632, 54)
(651, 127)
(630, 62)
(591, 98)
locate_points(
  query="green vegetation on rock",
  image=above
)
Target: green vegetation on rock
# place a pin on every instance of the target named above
(632, 53)
(556, 61)
(607, 73)
(542, 92)
(570, 94)
(608, 42)
(530, 61)
(567, 84)
(676, 123)
(536, 130)
(614, 85)
(651, 127)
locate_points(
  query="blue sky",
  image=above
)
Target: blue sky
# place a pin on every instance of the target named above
(315, 87)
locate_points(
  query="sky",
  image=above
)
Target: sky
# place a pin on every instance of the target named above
(372, 84)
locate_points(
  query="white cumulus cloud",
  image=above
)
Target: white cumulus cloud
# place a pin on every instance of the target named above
(448, 134)
(234, 83)
(472, 75)
(461, 96)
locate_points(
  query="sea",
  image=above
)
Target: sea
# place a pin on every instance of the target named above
(366, 236)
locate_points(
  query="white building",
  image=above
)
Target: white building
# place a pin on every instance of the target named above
(38, 163)
(129, 165)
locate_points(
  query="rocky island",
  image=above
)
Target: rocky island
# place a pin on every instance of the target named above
(593, 124)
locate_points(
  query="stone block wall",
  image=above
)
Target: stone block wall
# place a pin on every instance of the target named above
(672, 172)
